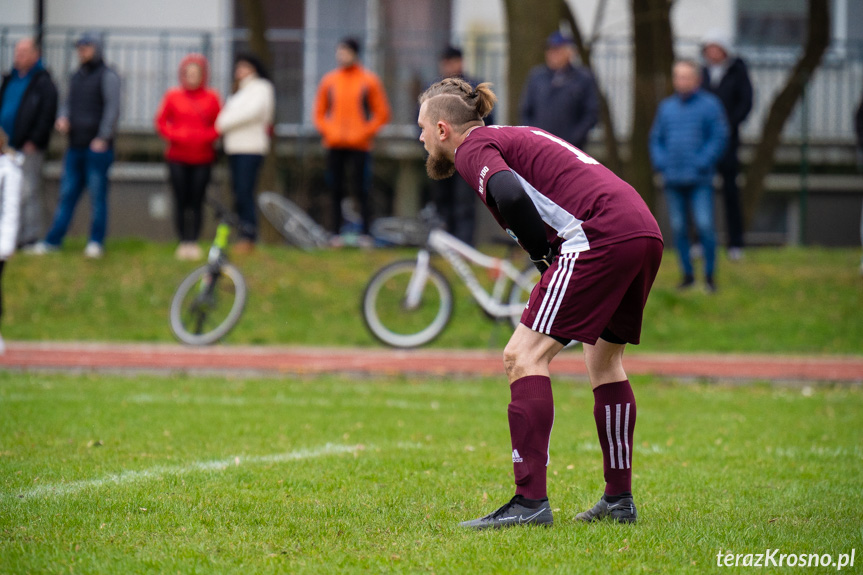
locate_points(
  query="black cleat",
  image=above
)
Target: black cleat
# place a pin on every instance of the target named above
(513, 513)
(622, 511)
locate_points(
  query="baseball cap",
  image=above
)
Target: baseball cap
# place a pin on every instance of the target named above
(88, 38)
(558, 39)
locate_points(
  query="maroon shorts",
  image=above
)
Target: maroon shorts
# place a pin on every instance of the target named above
(584, 293)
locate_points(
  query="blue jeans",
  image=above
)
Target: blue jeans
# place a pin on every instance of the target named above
(244, 178)
(697, 201)
(83, 167)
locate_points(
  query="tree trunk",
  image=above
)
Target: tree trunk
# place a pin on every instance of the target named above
(529, 24)
(612, 152)
(783, 106)
(654, 57)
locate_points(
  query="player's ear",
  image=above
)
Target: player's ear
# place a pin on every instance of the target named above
(443, 130)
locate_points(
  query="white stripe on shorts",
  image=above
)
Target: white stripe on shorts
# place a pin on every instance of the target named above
(555, 293)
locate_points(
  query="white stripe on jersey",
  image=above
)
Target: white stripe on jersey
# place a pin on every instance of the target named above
(564, 223)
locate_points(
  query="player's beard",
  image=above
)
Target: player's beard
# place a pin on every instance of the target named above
(439, 167)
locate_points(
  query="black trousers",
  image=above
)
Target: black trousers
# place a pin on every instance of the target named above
(189, 182)
(455, 202)
(346, 167)
(729, 168)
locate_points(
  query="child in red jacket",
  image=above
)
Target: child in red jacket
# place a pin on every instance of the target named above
(186, 119)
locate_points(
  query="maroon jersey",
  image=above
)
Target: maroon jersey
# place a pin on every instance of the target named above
(582, 203)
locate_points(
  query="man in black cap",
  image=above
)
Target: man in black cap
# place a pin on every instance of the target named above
(454, 200)
(89, 117)
(560, 97)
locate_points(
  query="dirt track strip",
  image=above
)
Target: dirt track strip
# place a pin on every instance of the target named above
(308, 360)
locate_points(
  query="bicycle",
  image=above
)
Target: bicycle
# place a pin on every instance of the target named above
(292, 222)
(210, 301)
(408, 303)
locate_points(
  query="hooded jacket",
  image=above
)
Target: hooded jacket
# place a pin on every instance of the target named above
(734, 88)
(37, 110)
(187, 118)
(350, 108)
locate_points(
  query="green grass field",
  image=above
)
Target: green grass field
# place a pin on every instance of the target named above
(775, 301)
(151, 473)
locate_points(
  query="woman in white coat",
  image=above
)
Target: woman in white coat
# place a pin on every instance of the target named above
(245, 124)
(10, 202)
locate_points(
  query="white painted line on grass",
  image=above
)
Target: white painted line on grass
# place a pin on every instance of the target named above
(70, 488)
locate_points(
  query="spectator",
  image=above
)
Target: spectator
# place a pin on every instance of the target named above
(246, 124)
(687, 140)
(187, 120)
(454, 200)
(28, 108)
(724, 75)
(859, 127)
(10, 197)
(350, 108)
(559, 97)
(89, 117)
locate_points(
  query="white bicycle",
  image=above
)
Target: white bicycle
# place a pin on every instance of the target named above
(408, 303)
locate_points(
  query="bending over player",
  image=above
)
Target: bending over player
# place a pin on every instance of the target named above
(598, 248)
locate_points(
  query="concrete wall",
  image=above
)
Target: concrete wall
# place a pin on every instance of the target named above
(153, 14)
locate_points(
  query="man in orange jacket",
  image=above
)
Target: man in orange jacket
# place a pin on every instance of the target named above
(350, 109)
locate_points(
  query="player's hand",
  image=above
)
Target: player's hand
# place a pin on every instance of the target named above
(544, 262)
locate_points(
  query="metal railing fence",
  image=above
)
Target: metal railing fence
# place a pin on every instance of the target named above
(406, 61)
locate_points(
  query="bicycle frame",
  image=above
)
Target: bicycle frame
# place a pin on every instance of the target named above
(220, 242)
(460, 255)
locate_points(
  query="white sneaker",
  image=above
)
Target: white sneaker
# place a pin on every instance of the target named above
(2, 345)
(735, 254)
(94, 251)
(39, 249)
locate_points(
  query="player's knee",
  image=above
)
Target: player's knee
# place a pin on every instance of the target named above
(515, 358)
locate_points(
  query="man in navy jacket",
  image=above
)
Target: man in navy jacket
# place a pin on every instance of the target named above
(687, 140)
(560, 98)
(28, 107)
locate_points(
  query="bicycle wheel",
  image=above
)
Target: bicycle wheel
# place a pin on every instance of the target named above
(400, 231)
(387, 315)
(520, 292)
(292, 222)
(206, 306)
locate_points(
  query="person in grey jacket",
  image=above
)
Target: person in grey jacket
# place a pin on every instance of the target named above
(559, 97)
(89, 117)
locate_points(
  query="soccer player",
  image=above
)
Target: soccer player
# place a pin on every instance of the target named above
(598, 248)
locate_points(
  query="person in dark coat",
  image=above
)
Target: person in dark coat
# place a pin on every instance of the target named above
(560, 97)
(28, 107)
(725, 75)
(858, 124)
(454, 199)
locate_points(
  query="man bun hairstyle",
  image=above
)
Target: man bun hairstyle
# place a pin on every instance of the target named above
(457, 102)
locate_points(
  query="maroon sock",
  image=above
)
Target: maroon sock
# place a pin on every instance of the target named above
(614, 412)
(531, 416)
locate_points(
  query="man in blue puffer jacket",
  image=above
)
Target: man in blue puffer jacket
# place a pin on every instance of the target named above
(687, 140)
